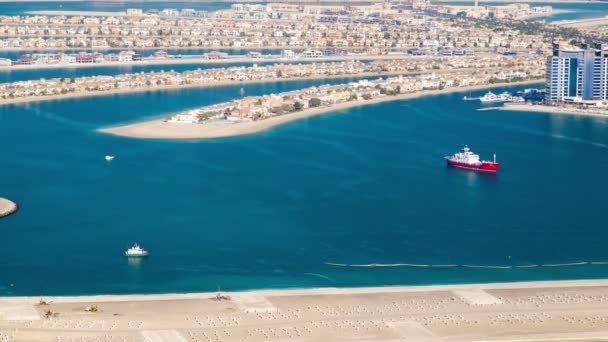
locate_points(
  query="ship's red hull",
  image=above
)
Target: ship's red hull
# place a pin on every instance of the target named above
(481, 167)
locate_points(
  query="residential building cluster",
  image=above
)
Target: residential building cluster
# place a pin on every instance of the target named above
(374, 29)
(577, 75)
(201, 77)
(267, 106)
(509, 12)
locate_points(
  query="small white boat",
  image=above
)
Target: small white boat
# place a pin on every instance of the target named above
(136, 252)
(109, 158)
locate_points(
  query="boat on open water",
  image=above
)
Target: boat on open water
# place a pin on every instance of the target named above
(465, 159)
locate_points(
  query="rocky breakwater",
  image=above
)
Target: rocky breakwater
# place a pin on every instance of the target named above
(7, 207)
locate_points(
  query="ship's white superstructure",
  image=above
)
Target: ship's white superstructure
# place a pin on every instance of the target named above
(490, 97)
(136, 251)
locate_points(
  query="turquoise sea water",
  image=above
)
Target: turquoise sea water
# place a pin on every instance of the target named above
(364, 185)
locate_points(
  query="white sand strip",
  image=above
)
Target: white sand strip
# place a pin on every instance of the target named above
(477, 297)
(159, 129)
(7, 207)
(162, 336)
(18, 311)
(310, 292)
(554, 110)
(412, 331)
(249, 302)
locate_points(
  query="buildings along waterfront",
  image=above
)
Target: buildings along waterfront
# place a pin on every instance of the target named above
(577, 75)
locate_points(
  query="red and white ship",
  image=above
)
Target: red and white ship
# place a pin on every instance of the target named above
(465, 159)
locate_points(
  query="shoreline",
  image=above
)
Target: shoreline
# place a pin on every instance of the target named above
(158, 129)
(74, 95)
(309, 291)
(507, 312)
(553, 110)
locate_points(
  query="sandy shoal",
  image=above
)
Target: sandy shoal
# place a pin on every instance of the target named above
(158, 129)
(553, 110)
(583, 23)
(7, 207)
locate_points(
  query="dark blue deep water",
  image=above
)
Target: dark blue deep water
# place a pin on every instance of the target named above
(365, 185)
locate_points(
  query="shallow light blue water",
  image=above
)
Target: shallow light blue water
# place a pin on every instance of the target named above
(365, 185)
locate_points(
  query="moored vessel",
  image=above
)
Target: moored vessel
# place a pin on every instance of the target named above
(490, 97)
(465, 159)
(136, 251)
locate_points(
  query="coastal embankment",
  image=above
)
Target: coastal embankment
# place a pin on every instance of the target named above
(524, 107)
(526, 311)
(7, 207)
(159, 129)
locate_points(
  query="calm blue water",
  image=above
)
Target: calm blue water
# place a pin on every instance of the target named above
(365, 185)
(579, 10)
(20, 7)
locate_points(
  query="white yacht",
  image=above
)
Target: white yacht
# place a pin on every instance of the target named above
(490, 97)
(136, 252)
(109, 158)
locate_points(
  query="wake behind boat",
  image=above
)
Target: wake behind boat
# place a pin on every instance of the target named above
(465, 159)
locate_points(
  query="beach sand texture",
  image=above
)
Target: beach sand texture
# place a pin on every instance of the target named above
(158, 129)
(7, 207)
(541, 311)
(555, 110)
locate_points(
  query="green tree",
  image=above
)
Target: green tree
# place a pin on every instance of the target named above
(297, 105)
(314, 102)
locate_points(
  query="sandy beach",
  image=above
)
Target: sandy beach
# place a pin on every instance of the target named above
(158, 129)
(534, 311)
(554, 110)
(583, 23)
(7, 207)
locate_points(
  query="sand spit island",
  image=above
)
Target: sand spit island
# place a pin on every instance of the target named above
(58, 88)
(571, 110)
(534, 311)
(255, 114)
(7, 207)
